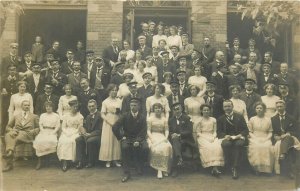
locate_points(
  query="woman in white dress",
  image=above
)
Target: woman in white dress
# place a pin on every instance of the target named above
(130, 67)
(210, 149)
(174, 39)
(110, 149)
(160, 147)
(63, 104)
(129, 53)
(168, 77)
(260, 150)
(239, 105)
(72, 125)
(270, 100)
(139, 72)
(160, 35)
(192, 105)
(17, 99)
(158, 97)
(151, 68)
(123, 88)
(198, 80)
(46, 141)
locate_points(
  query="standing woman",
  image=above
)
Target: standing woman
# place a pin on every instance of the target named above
(46, 141)
(260, 152)
(63, 104)
(17, 99)
(192, 105)
(239, 105)
(160, 147)
(72, 124)
(210, 149)
(110, 149)
(174, 39)
(139, 72)
(270, 100)
(151, 68)
(198, 80)
(160, 35)
(127, 48)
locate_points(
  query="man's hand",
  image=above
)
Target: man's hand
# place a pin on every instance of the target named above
(136, 144)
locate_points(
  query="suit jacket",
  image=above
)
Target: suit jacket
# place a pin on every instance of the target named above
(231, 52)
(250, 101)
(217, 105)
(291, 81)
(126, 103)
(84, 98)
(180, 100)
(247, 52)
(110, 55)
(161, 69)
(184, 128)
(146, 52)
(292, 105)
(37, 52)
(66, 67)
(62, 80)
(41, 99)
(184, 92)
(93, 124)
(8, 60)
(157, 61)
(10, 85)
(56, 53)
(23, 67)
(275, 67)
(238, 79)
(117, 79)
(75, 81)
(134, 129)
(261, 82)
(237, 126)
(105, 77)
(289, 126)
(31, 85)
(221, 85)
(211, 68)
(208, 54)
(145, 92)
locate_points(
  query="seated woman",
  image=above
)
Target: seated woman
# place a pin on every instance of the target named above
(270, 100)
(211, 153)
(71, 126)
(160, 147)
(63, 104)
(46, 141)
(260, 153)
(139, 72)
(239, 105)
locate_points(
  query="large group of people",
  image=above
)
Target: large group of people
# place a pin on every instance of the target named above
(161, 104)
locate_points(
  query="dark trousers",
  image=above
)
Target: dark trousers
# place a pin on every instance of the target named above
(179, 147)
(286, 143)
(290, 155)
(297, 169)
(87, 149)
(129, 152)
(232, 150)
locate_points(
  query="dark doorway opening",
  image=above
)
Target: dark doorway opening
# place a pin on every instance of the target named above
(66, 26)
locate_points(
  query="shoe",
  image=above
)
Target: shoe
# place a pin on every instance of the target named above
(107, 164)
(180, 162)
(39, 164)
(79, 165)
(174, 173)
(7, 168)
(64, 166)
(117, 163)
(234, 173)
(8, 154)
(215, 172)
(159, 174)
(282, 157)
(89, 165)
(165, 174)
(125, 178)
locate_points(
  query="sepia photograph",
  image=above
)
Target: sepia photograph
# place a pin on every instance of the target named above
(151, 95)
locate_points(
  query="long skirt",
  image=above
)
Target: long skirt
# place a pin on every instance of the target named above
(110, 146)
(210, 149)
(45, 143)
(160, 152)
(66, 148)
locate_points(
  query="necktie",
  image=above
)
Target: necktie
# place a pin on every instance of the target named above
(210, 100)
(282, 120)
(175, 98)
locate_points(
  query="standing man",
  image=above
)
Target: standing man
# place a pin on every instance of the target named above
(36, 82)
(183, 85)
(117, 77)
(55, 50)
(133, 94)
(46, 97)
(12, 58)
(165, 66)
(221, 81)
(175, 97)
(187, 48)
(75, 77)
(24, 69)
(268, 58)
(88, 67)
(57, 79)
(131, 130)
(38, 50)
(212, 67)
(111, 53)
(214, 100)
(265, 77)
(67, 66)
(208, 52)
(291, 101)
(143, 48)
(285, 77)
(232, 128)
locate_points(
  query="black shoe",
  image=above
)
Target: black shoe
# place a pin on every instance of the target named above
(234, 173)
(7, 168)
(125, 178)
(64, 166)
(174, 173)
(215, 172)
(79, 165)
(89, 165)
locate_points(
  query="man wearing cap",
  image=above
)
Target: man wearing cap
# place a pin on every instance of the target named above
(117, 77)
(286, 134)
(146, 33)
(89, 65)
(212, 67)
(110, 54)
(214, 100)
(36, 82)
(55, 50)
(67, 66)
(252, 48)
(47, 96)
(38, 50)
(133, 94)
(12, 58)
(175, 55)
(221, 80)
(268, 58)
(187, 48)
(183, 85)
(25, 68)
(131, 131)
(181, 137)
(143, 48)
(75, 77)
(250, 97)
(166, 66)
(265, 77)
(157, 60)
(208, 52)
(183, 66)
(56, 78)
(291, 102)
(147, 89)
(285, 77)
(175, 96)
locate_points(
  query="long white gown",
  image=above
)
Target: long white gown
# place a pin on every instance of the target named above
(63, 105)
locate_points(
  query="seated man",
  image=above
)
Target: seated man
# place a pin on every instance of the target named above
(22, 128)
(232, 128)
(181, 137)
(89, 142)
(131, 130)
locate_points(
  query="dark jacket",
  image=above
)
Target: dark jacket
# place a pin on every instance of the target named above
(41, 99)
(105, 77)
(110, 55)
(250, 101)
(93, 124)
(217, 105)
(289, 126)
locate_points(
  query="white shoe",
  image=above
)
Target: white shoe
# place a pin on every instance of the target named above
(118, 164)
(159, 174)
(107, 164)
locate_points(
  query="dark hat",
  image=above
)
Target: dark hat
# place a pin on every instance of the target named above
(174, 46)
(54, 60)
(135, 100)
(220, 65)
(70, 51)
(180, 72)
(128, 75)
(146, 74)
(98, 58)
(142, 37)
(27, 52)
(164, 52)
(119, 64)
(250, 80)
(210, 83)
(48, 85)
(89, 52)
(175, 104)
(132, 84)
(267, 64)
(183, 56)
(73, 102)
(174, 83)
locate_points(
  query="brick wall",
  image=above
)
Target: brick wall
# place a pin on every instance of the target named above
(9, 34)
(296, 46)
(209, 18)
(104, 21)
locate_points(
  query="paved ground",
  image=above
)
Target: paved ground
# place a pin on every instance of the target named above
(25, 178)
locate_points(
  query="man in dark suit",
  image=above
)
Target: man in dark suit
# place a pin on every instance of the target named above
(214, 100)
(235, 77)
(56, 78)
(38, 50)
(175, 97)
(208, 52)
(232, 128)
(147, 89)
(157, 60)
(88, 143)
(89, 65)
(174, 55)
(46, 66)
(285, 77)
(22, 129)
(35, 82)
(11, 59)
(55, 50)
(143, 48)
(67, 66)
(291, 102)
(165, 66)
(250, 97)
(110, 54)
(212, 67)
(268, 58)
(265, 77)
(236, 49)
(286, 131)
(252, 48)
(181, 137)
(25, 68)
(131, 130)
(183, 66)
(47, 96)
(221, 80)
(85, 94)
(183, 85)
(75, 77)
(117, 77)
(133, 94)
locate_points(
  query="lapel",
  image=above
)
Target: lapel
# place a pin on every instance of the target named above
(27, 120)
(95, 120)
